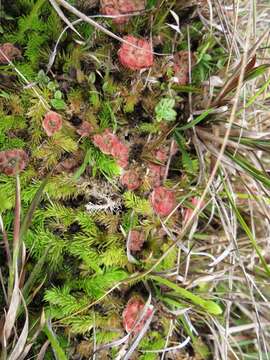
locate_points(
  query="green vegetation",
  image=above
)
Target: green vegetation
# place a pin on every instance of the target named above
(87, 135)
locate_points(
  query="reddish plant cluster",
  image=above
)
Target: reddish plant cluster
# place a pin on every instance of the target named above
(85, 129)
(121, 7)
(132, 313)
(136, 240)
(181, 67)
(13, 161)
(163, 201)
(109, 144)
(10, 51)
(131, 180)
(136, 57)
(52, 123)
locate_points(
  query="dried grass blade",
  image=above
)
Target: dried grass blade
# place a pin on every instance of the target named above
(172, 348)
(18, 349)
(63, 17)
(232, 82)
(43, 350)
(138, 338)
(13, 308)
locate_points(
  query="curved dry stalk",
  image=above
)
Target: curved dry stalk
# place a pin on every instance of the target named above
(63, 17)
(90, 21)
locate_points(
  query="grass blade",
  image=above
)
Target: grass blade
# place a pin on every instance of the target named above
(196, 121)
(13, 308)
(35, 202)
(254, 172)
(59, 352)
(210, 306)
(18, 349)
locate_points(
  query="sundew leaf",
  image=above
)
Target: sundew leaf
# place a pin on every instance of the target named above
(208, 305)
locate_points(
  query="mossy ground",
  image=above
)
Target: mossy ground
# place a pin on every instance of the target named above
(205, 273)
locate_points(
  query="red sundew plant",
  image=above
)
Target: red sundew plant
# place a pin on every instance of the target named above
(109, 144)
(52, 123)
(132, 313)
(131, 180)
(133, 58)
(13, 161)
(136, 240)
(120, 152)
(10, 51)
(121, 7)
(122, 161)
(163, 201)
(85, 129)
(105, 142)
(161, 155)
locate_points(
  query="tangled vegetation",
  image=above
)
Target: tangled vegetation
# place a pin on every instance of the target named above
(134, 180)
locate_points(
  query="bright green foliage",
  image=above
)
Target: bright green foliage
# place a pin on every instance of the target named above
(164, 110)
(139, 205)
(154, 341)
(210, 58)
(95, 286)
(99, 162)
(69, 300)
(33, 34)
(57, 102)
(62, 299)
(9, 124)
(149, 128)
